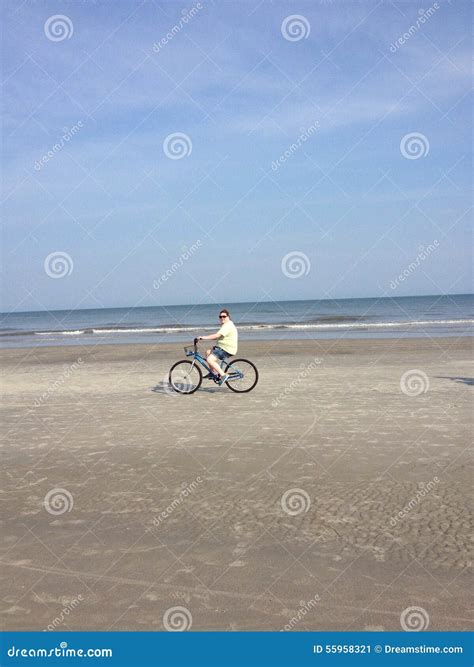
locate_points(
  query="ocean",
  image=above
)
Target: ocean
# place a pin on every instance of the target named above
(434, 316)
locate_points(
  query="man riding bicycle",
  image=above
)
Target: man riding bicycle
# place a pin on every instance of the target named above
(227, 347)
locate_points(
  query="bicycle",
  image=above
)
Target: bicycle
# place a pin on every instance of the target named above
(185, 376)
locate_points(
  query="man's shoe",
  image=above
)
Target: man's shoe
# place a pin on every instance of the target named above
(223, 379)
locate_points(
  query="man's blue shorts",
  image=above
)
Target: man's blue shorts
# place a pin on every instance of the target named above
(221, 354)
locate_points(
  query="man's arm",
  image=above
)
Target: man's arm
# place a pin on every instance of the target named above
(215, 336)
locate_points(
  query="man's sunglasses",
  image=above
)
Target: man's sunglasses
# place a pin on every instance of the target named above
(221, 317)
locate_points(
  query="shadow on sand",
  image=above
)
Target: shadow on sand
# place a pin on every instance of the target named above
(468, 381)
(164, 388)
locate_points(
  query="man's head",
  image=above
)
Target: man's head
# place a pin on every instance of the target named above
(224, 315)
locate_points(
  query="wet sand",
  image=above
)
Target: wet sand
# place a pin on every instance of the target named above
(327, 498)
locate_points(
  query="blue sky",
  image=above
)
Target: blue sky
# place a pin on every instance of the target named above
(346, 196)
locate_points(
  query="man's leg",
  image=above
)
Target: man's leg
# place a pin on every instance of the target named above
(209, 374)
(214, 364)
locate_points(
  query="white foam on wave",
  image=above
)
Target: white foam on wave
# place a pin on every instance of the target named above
(252, 327)
(374, 325)
(76, 332)
(150, 330)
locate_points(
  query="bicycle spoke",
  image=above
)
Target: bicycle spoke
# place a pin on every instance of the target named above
(185, 378)
(243, 377)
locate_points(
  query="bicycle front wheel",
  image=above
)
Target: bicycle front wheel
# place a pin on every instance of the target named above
(185, 377)
(243, 375)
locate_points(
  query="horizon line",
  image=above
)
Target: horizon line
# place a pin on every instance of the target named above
(235, 303)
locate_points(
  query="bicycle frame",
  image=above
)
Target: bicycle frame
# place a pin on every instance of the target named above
(235, 374)
(202, 361)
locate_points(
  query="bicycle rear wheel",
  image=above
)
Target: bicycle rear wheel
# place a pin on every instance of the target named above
(184, 377)
(243, 375)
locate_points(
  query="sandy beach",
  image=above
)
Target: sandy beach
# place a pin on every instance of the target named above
(334, 496)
